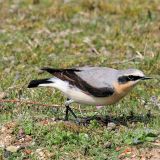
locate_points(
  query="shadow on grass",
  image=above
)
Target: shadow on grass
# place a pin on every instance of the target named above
(121, 120)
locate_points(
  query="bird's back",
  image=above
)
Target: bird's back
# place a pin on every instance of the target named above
(98, 76)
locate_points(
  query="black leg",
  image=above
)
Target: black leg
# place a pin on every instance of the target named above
(68, 109)
(66, 115)
(74, 115)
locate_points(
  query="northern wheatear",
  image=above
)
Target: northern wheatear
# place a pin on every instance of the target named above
(91, 85)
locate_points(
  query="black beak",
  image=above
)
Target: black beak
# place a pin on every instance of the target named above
(145, 78)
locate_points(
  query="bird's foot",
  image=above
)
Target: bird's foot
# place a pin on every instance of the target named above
(78, 121)
(84, 121)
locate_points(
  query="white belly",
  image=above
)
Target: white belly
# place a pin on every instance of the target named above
(81, 97)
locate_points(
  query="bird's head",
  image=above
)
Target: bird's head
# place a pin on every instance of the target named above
(131, 76)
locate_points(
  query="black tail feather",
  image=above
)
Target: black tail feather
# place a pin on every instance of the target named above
(35, 83)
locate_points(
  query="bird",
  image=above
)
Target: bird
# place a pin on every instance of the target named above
(99, 86)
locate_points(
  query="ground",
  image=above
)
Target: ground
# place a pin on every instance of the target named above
(68, 33)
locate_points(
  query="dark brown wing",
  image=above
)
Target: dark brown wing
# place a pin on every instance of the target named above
(73, 79)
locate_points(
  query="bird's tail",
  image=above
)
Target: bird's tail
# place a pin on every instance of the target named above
(40, 82)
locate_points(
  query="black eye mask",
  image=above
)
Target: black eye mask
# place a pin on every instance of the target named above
(124, 79)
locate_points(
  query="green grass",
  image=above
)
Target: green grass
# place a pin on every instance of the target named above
(62, 35)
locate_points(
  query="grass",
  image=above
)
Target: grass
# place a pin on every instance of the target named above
(63, 34)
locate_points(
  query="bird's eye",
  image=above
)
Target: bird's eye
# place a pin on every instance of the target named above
(131, 78)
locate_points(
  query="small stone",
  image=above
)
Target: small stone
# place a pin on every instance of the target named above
(53, 119)
(12, 148)
(107, 144)
(111, 126)
(7, 70)
(3, 95)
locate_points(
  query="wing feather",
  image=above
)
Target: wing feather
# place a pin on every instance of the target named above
(75, 80)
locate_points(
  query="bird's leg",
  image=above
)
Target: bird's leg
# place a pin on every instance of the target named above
(67, 103)
(66, 115)
(74, 115)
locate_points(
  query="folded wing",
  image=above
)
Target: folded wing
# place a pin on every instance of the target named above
(89, 80)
